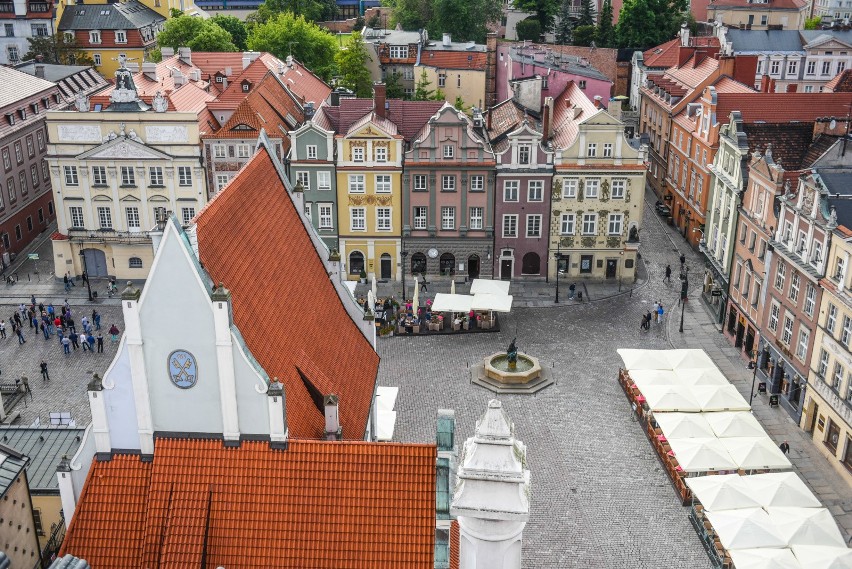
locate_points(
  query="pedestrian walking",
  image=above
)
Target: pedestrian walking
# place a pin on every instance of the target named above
(682, 261)
(100, 343)
(655, 309)
(113, 332)
(644, 325)
(660, 313)
(44, 375)
(73, 337)
(24, 386)
(44, 330)
(82, 339)
(2, 329)
(572, 290)
(91, 341)
(66, 346)
(423, 284)
(32, 300)
(96, 318)
(668, 274)
(648, 320)
(20, 336)
(785, 447)
(65, 281)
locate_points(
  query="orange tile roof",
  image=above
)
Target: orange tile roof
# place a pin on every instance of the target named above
(747, 4)
(566, 124)
(453, 59)
(666, 55)
(455, 542)
(691, 74)
(316, 504)
(842, 82)
(267, 107)
(278, 273)
(783, 107)
(190, 98)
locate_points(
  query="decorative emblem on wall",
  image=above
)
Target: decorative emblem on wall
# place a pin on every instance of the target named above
(183, 370)
(433, 253)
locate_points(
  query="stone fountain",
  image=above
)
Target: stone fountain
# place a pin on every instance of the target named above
(511, 372)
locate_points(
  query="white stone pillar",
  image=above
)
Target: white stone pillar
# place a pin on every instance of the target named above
(100, 424)
(138, 373)
(221, 300)
(66, 489)
(277, 413)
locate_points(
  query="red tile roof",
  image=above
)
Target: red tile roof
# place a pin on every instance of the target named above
(233, 95)
(251, 238)
(408, 116)
(841, 82)
(316, 504)
(455, 542)
(783, 107)
(666, 55)
(566, 119)
(453, 59)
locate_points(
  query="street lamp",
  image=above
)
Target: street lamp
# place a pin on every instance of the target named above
(404, 256)
(753, 365)
(86, 273)
(558, 258)
(684, 289)
(620, 262)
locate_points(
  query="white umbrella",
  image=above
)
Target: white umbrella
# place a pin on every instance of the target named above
(756, 453)
(690, 359)
(453, 286)
(371, 301)
(823, 557)
(781, 489)
(488, 286)
(764, 559)
(746, 529)
(719, 398)
(644, 359)
(722, 492)
(670, 398)
(734, 424)
(492, 302)
(701, 376)
(647, 377)
(806, 526)
(374, 287)
(684, 425)
(452, 302)
(415, 303)
(701, 455)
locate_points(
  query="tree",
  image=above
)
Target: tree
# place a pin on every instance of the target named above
(459, 104)
(544, 10)
(310, 44)
(606, 32)
(410, 14)
(212, 38)
(529, 29)
(352, 66)
(587, 14)
(58, 48)
(585, 35)
(814, 23)
(565, 23)
(464, 20)
(359, 24)
(197, 34)
(646, 23)
(312, 10)
(438, 96)
(393, 86)
(235, 27)
(422, 90)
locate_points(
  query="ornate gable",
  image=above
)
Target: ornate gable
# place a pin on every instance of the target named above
(123, 148)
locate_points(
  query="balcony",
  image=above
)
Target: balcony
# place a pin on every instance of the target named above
(108, 236)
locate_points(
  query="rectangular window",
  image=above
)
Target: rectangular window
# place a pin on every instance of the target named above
(802, 346)
(120, 36)
(383, 184)
(792, 68)
(358, 218)
(76, 217)
(128, 176)
(30, 147)
(535, 191)
(822, 369)
(524, 152)
(838, 271)
(398, 51)
(569, 187)
(7, 160)
(383, 219)
(618, 189)
(184, 176)
(449, 151)
(534, 225)
(810, 299)
(243, 151)
(132, 216)
(826, 67)
(357, 154)
(448, 217)
(34, 175)
(615, 223)
(420, 217)
(99, 176)
(811, 68)
(10, 189)
(510, 226)
(311, 150)
(325, 216)
(96, 58)
(442, 79)
(511, 190)
(71, 176)
(305, 179)
(590, 223)
(381, 154)
(222, 181)
(774, 67)
(794, 286)
(607, 150)
(831, 319)
(592, 185)
(323, 180)
(94, 36)
(220, 151)
(774, 313)
(356, 183)
(155, 176)
(476, 218)
(846, 333)
(477, 183)
(186, 214)
(308, 212)
(780, 274)
(104, 218)
(837, 376)
(567, 225)
(419, 182)
(787, 332)
(592, 150)
(448, 183)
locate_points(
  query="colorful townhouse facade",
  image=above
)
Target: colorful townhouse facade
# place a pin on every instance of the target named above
(20, 20)
(760, 16)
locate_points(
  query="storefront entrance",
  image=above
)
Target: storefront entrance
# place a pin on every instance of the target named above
(611, 268)
(95, 263)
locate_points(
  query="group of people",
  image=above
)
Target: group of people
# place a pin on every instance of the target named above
(654, 315)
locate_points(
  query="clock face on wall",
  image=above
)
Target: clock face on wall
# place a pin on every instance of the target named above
(183, 369)
(433, 253)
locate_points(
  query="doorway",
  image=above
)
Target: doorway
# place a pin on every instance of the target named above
(611, 268)
(749, 340)
(586, 263)
(473, 266)
(95, 263)
(386, 266)
(531, 264)
(506, 269)
(738, 342)
(812, 417)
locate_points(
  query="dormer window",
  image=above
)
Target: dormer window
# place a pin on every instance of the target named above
(120, 36)
(35, 108)
(23, 113)
(398, 52)
(524, 152)
(10, 117)
(94, 36)
(246, 86)
(219, 79)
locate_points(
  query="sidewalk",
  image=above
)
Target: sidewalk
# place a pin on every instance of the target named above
(700, 332)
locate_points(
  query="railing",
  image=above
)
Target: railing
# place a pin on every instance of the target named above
(57, 535)
(831, 396)
(42, 7)
(108, 235)
(7, 7)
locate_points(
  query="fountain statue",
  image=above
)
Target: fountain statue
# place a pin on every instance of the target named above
(511, 371)
(512, 355)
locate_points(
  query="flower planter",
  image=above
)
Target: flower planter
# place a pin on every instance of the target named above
(466, 325)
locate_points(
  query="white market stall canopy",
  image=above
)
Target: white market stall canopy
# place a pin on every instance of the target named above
(491, 302)
(722, 492)
(644, 359)
(765, 559)
(386, 398)
(734, 424)
(760, 490)
(385, 415)
(823, 557)
(702, 455)
(746, 529)
(452, 302)
(756, 453)
(671, 398)
(807, 526)
(701, 376)
(719, 398)
(689, 359)
(684, 425)
(488, 286)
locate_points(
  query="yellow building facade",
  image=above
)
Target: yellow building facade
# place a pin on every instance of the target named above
(369, 191)
(827, 410)
(469, 84)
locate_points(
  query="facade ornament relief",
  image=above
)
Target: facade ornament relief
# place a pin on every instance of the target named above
(587, 241)
(581, 186)
(160, 103)
(81, 102)
(605, 190)
(556, 193)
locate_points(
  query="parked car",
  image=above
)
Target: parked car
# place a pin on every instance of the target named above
(663, 209)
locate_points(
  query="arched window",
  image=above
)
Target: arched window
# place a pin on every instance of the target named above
(448, 264)
(135, 263)
(418, 263)
(531, 264)
(356, 262)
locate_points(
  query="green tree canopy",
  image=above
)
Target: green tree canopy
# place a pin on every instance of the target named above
(606, 31)
(585, 35)
(565, 23)
(529, 29)
(423, 90)
(235, 27)
(57, 49)
(814, 23)
(352, 66)
(197, 34)
(393, 85)
(464, 20)
(646, 23)
(311, 45)
(312, 10)
(544, 10)
(587, 14)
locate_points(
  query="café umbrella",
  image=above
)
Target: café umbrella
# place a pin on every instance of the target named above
(415, 303)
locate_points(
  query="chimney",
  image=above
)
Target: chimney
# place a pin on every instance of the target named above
(39, 71)
(335, 99)
(744, 68)
(228, 71)
(150, 70)
(447, 40)
(249, 56)
(132, 66)
(598, 104)
(178, 78)
(185, 55)
(333, 430)
(290, 61)
(546, 118)
(379, 104)
(765, 84)
(684, 35)
(490, 70)
(167, 52)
